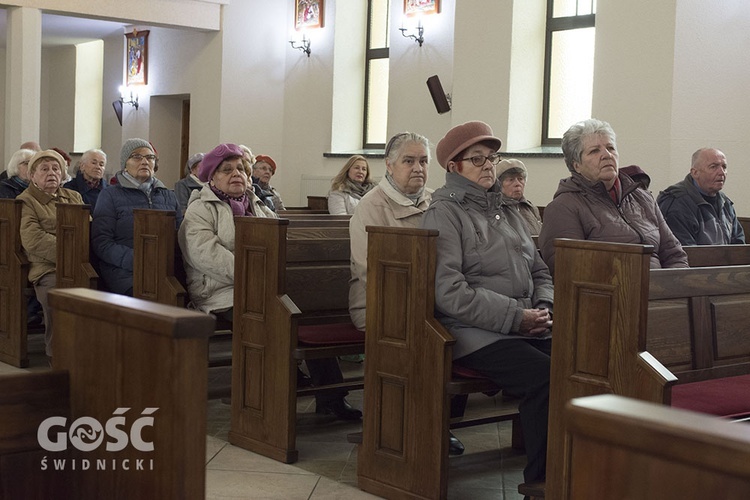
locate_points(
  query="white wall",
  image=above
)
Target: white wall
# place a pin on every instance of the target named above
(669, 76)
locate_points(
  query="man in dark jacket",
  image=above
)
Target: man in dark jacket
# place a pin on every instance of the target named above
(697, 212)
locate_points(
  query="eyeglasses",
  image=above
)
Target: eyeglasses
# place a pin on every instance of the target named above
(150, 158)
(479, 160)
(229, 169)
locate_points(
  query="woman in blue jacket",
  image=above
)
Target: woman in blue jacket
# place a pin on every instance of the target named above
(112, 227)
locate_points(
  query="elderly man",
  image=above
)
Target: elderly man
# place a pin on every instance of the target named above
(697, 212)
(89, 181)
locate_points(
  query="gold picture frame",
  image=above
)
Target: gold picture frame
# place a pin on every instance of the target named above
(308, 14)
(136, 60)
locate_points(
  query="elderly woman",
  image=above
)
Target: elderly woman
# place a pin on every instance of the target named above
(112, 227)
(185, 186)
(263, 169)
(599, 203)
(493, 292)
(39, 226)
(400, 199)
(89, 181)
(206, 238)
(18, 174)
(512, 176)
(206, 235)
(349, 186)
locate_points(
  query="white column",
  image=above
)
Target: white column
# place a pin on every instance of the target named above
(23, 75)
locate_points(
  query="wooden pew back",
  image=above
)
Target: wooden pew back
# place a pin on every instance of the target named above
(74, 267)
(115, 357)
(622, 448)
(155, 252)
(617, 324)
(408, 371)
(280, 284)
(718, 255)
(14, 273)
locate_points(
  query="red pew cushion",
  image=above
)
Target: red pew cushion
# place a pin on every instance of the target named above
(725, 397)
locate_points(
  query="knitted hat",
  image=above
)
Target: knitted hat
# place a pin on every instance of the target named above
(511, 164)
(213, 159)
(461, 137)
(49, 153)
(192, 161)
(130, 146)
(268, 160)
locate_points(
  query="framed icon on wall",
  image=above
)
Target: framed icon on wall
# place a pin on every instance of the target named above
(137, 57)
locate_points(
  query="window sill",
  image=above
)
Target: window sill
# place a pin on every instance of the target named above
(367, 153)
(538, 152)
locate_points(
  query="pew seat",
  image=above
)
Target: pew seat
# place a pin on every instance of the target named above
(291, 304)
(724, 397)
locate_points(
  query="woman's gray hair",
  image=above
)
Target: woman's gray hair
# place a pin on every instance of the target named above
(572, 141)
(394, 146)
(15, 160)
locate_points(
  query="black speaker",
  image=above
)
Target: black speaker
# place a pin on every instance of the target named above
(438, 95)
(118, 110)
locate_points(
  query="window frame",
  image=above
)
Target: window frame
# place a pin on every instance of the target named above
(371, 54)
(556, 24)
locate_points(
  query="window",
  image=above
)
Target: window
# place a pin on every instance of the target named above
(376, 74)
(568, 66)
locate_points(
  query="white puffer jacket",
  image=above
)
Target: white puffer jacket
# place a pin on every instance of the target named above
(206, 239)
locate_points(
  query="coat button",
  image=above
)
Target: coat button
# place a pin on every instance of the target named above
(497, 216)
(525, 293)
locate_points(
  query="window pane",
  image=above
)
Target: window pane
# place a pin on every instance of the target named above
(567, 8)
(379, 24)
(571, 79)
(377, 102)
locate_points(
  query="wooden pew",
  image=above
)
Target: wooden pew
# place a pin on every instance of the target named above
(155, 251)
(114, 356)
(14, 284)
(621, 328)
(318, 203)
(408, 372)
(718, 255)
(622, 448)
(285, 290)
(74, 267)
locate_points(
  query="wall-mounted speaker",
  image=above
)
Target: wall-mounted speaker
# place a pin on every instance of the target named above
(118, 110)
(442, 105)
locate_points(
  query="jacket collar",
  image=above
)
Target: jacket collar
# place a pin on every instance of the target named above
(400, 198)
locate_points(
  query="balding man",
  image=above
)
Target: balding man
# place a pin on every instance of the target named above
(697, 212)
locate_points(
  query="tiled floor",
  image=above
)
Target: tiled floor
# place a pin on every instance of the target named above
(327, 466)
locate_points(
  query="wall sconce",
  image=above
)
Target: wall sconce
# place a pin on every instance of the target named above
(133, 101)
(304, 47)
(419, 37)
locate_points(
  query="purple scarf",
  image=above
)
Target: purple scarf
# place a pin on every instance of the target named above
(240, 205)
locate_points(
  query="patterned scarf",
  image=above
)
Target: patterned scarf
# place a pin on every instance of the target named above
(355, 188)
(240, 205)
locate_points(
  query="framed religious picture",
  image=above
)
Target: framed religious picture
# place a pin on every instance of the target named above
(137, 57)
(412, 7)
(308, 14)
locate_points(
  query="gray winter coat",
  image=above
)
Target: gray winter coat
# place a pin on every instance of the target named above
(488, 268)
